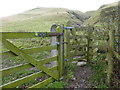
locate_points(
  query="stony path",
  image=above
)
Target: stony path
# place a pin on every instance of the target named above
(81, 75)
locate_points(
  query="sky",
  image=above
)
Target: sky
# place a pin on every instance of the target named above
(11, 7)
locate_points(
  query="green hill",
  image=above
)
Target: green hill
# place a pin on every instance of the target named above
(41, 19)
(38, 19)
(104, 13)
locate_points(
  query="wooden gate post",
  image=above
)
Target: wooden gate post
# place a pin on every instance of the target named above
(89, 39)
(67, 40)
(110, 55)
(60, 57)
(53, 41)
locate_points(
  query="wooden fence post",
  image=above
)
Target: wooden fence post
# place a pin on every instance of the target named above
(53, 41)
(109, 56)
(89, 39)
(60, 57)
(67, 40)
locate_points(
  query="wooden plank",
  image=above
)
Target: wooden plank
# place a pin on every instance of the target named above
(38, 49)
(89, 34)
(76, 49)
(43, 83)
(60, 58)
(76, 46)
(9, 54)
(77, 37)
(20, 81)
(31, 60)
(17, 82)
(53, 68)
(67, 46)
(110, 54)
(15, 69)
(16, 35)
(77, 53)
(81, 58)
(18, 68)
(48, 60)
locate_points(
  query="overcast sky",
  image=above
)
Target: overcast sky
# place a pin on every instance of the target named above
(10, 7)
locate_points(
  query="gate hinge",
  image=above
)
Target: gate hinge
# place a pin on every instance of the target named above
(58, 43)
(64, 43)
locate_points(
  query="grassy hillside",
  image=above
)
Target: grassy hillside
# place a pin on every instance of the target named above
(102, 13)
(41, 19)
(37, 19)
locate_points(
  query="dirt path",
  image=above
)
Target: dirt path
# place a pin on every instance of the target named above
(81, 75)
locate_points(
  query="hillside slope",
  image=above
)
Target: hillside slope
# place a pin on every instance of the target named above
(41, 19)
(105, 11)
(38, 19)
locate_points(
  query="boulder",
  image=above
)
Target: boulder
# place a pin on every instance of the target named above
(81, 63)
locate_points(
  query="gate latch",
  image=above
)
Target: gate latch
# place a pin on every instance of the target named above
(39, 34)
(68, 27)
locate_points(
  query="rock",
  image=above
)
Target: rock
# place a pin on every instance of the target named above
(73, 79)
(75, 62)
(81, 63)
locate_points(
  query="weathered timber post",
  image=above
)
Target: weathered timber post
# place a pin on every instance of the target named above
(67, 40)
(89, 39)
(60, 57)
(59, 41)
(53, 41)
(119, 36)
(110, 56)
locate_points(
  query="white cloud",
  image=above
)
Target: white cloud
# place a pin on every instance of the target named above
(9, 7)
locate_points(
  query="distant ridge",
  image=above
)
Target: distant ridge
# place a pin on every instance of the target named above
(41, 18)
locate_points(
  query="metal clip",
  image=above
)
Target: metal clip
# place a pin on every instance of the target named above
(66, 59)
(68, 27)
(57, 43)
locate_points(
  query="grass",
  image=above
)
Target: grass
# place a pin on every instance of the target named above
(98, 77)
(69, 68)
(38, 20)
(38, 25)
(96, 17)
(56, 84)
(68, 75)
